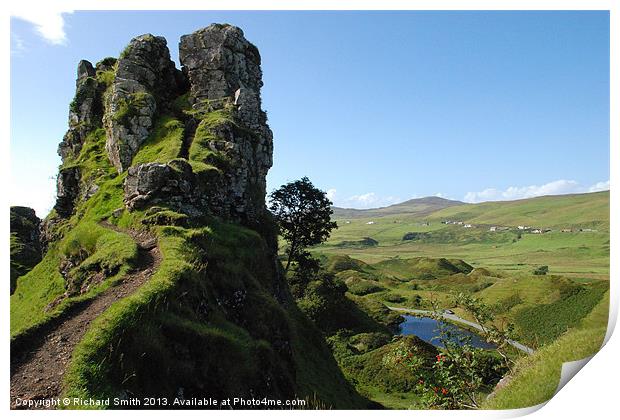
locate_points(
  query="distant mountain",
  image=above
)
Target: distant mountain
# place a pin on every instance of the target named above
(417, 206)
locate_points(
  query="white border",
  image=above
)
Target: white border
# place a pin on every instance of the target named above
(593, 394)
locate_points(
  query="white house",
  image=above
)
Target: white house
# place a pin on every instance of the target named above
(492, 228)
(370, 223)
(467, 225)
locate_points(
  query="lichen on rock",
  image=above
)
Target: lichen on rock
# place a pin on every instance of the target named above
(145, 80)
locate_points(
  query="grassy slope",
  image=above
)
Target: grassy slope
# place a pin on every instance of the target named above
(578, 254)
(99, 247)
(418, 206)
(537, 376)
(177, 314)
(207, 321)
(579, 210)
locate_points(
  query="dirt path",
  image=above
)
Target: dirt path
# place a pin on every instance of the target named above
(37, 374)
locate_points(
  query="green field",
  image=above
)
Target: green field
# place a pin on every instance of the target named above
(407, 256)
(578, 254)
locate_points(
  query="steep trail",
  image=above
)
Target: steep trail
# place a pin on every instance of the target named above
(38, 373)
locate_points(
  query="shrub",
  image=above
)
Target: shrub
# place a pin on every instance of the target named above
(542, 270)
(394, 298)
(365, 287)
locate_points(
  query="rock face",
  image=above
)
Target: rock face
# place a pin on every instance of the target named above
(84, 111)
(222, 68)
(153, 183)
(67, 190)
(145, 80)
(25, 245)
(227, 144)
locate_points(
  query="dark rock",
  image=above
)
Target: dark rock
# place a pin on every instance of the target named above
(25, 245)
(85, 111)
(172, 184)
(413, 236)
(67, 190)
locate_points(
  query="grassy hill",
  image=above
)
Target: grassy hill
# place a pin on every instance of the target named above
(580, 254)
(417, 206)
(589, 210)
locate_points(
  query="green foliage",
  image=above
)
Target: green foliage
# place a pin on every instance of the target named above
(541, 271)
(365, 287)
(163, 144)
(85, 88)
(209, 279)
(364, 242)
(394, 298)
(460, 372)
(106, 77)
(95, 248)
(128, 106)
(365, 360)
(322, 300)
(541, 324)
(536, 377)
(339, 263)
(302, 213)
(202, 157)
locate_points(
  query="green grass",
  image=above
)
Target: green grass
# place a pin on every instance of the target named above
(574, 210)
(163, 144)
(201, 156)
(102, 249)
(577, 254)
(544, 323)
(182, 307)
(128, 106)
(537, 376)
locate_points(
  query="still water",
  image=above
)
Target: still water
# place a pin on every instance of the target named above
(428, 330)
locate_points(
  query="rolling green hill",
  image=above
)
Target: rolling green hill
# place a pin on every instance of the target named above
(580, 254)
(417, 206)
(589, 210)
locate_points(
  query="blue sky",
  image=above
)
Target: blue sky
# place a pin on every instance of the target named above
(374, 107)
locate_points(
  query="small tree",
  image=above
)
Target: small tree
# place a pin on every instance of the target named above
(542, 270)
(303, 214)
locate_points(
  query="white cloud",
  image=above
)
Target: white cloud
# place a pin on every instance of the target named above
(561, 186)
(17, 44)
(331, 194)
(367, 201)
(599, 186)
(50, 24)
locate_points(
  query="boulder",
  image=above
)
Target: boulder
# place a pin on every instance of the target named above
(25, 243)
(67, 190)
(146, 80)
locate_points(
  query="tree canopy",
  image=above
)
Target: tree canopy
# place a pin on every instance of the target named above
(303, 213)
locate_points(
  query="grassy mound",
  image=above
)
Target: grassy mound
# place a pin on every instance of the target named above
(207, 323)
(422, 268)
(537, 376)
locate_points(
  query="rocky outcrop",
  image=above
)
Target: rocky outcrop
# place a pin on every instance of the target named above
(84, 112)
(221, 74)
(222, 68)
(145, 81)
(67, 190)
(25, 245)
(171, 184)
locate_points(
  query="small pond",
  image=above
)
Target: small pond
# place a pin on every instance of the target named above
(428, 330)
